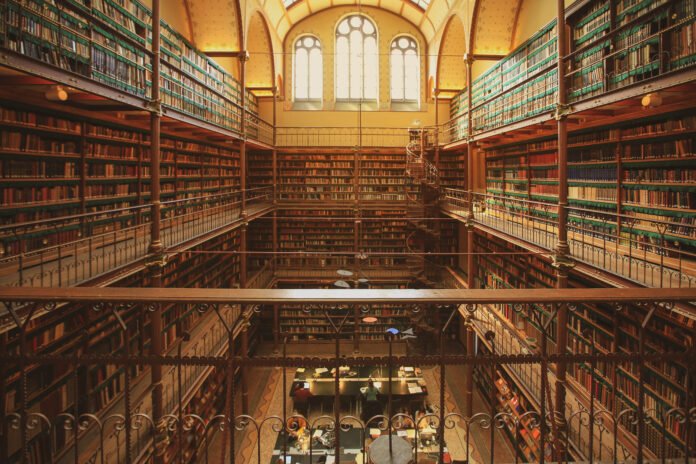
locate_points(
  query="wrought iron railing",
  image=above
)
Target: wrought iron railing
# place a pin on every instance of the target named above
(106, 241)
(36, 430)
(603, 239)
(348, 137)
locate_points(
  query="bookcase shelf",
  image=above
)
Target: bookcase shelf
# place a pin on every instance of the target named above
(109, 41)
(614, 44)
(612, 331)
(62, 164)
(615, 170)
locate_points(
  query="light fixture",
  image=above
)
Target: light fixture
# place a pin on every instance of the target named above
(651, 100)
(56, 93)
(341, 284)
(369, 319)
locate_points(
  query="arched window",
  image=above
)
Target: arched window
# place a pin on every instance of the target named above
(308, 69)
(405, 70)
(357, 61)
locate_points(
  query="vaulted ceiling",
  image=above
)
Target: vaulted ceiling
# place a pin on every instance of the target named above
(449, 27)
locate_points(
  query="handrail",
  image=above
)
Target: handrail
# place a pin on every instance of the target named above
(655, 263)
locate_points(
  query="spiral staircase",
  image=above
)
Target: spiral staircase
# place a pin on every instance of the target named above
(422, 196)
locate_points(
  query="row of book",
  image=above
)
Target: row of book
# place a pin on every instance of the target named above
(116, 55)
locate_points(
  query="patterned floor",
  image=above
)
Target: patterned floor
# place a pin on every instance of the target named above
(270, 403)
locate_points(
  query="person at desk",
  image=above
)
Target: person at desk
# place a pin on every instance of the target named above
(372, 404)
(296, 425)
(301, 396)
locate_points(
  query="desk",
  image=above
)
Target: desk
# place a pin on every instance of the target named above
(322, 382)
(351, 444)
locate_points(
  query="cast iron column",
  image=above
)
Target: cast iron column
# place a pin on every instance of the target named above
(562, 261)
(156, 264)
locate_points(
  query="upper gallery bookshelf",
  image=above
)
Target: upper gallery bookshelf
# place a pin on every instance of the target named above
(614, 44)
(626, 177)
(60, 164)
(109, 41)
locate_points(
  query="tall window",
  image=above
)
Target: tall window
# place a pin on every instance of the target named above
(357, 61)
(405, 70)
(308, 69)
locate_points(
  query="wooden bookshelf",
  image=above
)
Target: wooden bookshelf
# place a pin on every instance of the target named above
(615, 388)
(316, 176)
(639, 169)
(453, 168)
(107, 41)
(55, 164)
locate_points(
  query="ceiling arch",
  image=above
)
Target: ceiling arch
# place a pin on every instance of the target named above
(260, 69)
(494, 23)
(215, 24)
(451, 71)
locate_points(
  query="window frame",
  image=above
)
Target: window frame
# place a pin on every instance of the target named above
(405, 102)
(342, 101)
(317, 45)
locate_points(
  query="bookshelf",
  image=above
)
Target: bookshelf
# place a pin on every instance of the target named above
(316, 176)
(453, 168)
(382, 176)
(640, 169)
(108, 41)
(614, 44)
(383, 231)
(259, 168)
(615, 387)
(76, 329)
(299, 232)
(56, 164)
(309, 326)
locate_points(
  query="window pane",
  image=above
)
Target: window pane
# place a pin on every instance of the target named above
(405, 70)
(308, 69)
(371, 68)
(397, 75)
(342, 67)
(357, 74)
(316, 73)
(412, 75)
(301, 74)
(356, 64)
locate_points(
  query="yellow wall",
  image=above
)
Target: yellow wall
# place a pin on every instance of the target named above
(323, 26)
(534, 14)
(173, 13)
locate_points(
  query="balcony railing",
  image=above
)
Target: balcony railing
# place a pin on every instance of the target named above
(127, 431)
(107, 242)
(348, 137)
(605, 240)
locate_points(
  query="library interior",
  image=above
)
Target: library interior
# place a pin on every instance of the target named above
(347, 231)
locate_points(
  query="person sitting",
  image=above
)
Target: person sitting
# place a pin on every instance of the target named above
(372, 404)
(296, 425)
(301, 396)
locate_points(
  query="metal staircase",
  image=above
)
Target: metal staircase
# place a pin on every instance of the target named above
(422, 196)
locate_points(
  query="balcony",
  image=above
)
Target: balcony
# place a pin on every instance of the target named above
(102, 249)
(127, 431)
(592, 236)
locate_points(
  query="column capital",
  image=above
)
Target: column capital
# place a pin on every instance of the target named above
(562, 261)
(563, 110)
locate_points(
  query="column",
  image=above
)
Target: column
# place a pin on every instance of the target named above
(156, 263)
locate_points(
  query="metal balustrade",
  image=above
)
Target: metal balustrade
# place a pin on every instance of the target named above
(189, 429)
(592, 236)
(93, 254)
(342, 137)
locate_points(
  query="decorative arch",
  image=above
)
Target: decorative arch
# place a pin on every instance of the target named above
(216, 25)
(260, 68)
(493, 25)
(451, 70)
